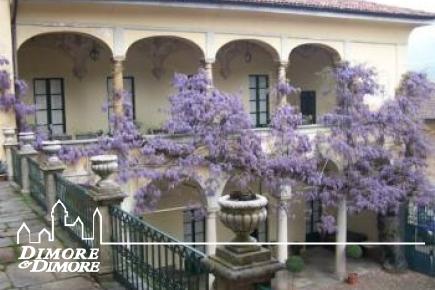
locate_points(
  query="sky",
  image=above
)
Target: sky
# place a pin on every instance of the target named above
(421, 54)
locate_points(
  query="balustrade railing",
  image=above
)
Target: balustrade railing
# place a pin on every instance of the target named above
(16, 164)
(147, 266)
(36, 183)
(78, 204)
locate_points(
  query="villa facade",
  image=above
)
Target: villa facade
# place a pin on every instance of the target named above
(72, 54)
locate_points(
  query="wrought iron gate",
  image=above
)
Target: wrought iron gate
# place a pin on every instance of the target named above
(420, 227)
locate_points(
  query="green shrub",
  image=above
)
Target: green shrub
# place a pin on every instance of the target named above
(295, 264)
(354, 251)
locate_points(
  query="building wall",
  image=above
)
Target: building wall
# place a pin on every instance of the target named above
(7, 120)
(380, 44)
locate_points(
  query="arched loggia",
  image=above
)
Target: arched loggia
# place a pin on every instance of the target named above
(66, 73)
(307, 71)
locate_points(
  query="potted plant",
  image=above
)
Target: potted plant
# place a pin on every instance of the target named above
(354, 252)
(295, 264)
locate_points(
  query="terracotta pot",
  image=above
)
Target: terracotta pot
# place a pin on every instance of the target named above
(352, 278)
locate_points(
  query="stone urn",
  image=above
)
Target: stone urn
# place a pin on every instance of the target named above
(104, 166)
(51, 150)
(9, 135)
(26, 141)
(242, 213)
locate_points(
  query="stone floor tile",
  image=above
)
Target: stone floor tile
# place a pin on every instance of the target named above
(4, 281)
(23, 277)
(7, 255)
(78, 283)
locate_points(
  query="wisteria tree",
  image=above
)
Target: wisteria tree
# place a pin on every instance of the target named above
(374, 175)
(401, 129)
(349, 142)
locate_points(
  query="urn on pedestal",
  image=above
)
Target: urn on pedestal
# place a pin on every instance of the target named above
(104, 166)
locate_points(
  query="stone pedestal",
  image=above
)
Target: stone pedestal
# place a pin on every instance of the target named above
(26, 151)
(104, 198)
(105, 194)
(241, 266)
(242, 271)
(50, 166)
(9, 142)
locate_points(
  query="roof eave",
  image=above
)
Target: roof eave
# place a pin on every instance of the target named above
(415, 20)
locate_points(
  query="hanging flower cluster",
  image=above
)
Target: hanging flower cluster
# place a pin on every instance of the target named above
(289, 160)
(14, 101)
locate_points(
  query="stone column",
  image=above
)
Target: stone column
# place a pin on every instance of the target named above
(9, 142)
(105, 194)
(282, 218)
(118, 86)
(341, 237)
(282, 71)
(26, 151)
(208, 66)
(211, 233)
(282, 78)
(50, 166)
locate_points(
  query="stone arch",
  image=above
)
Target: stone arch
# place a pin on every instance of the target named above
(79, 64)
(79, 47)
(271, 45)
(195, 42)
(153, 62)
(160, 48)
(103, 36)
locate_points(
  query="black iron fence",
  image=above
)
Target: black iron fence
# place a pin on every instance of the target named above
(140, 264)
(78, 212)
(36, 183)
(16, 165)
(420, 227)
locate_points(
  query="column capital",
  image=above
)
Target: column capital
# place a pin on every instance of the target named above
(212, 211)
(118, 59)
(283, 63)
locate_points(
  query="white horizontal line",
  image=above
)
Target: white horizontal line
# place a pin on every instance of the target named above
(263, 243)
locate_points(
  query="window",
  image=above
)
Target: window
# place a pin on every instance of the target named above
(313, 214)
(194, 227)
(50, 105)
(128, 87)
(259, 100)
(308, 107)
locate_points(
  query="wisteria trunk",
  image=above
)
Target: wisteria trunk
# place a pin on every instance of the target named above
(391, 229)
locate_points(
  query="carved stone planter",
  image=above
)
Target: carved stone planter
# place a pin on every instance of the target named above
(243, 217)
(26, 141)
(104, 166)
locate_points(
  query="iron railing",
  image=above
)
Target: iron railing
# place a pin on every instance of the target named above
(420, 227)
(153, 266)
(36, 183)
(78, 204)
(16, 164)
